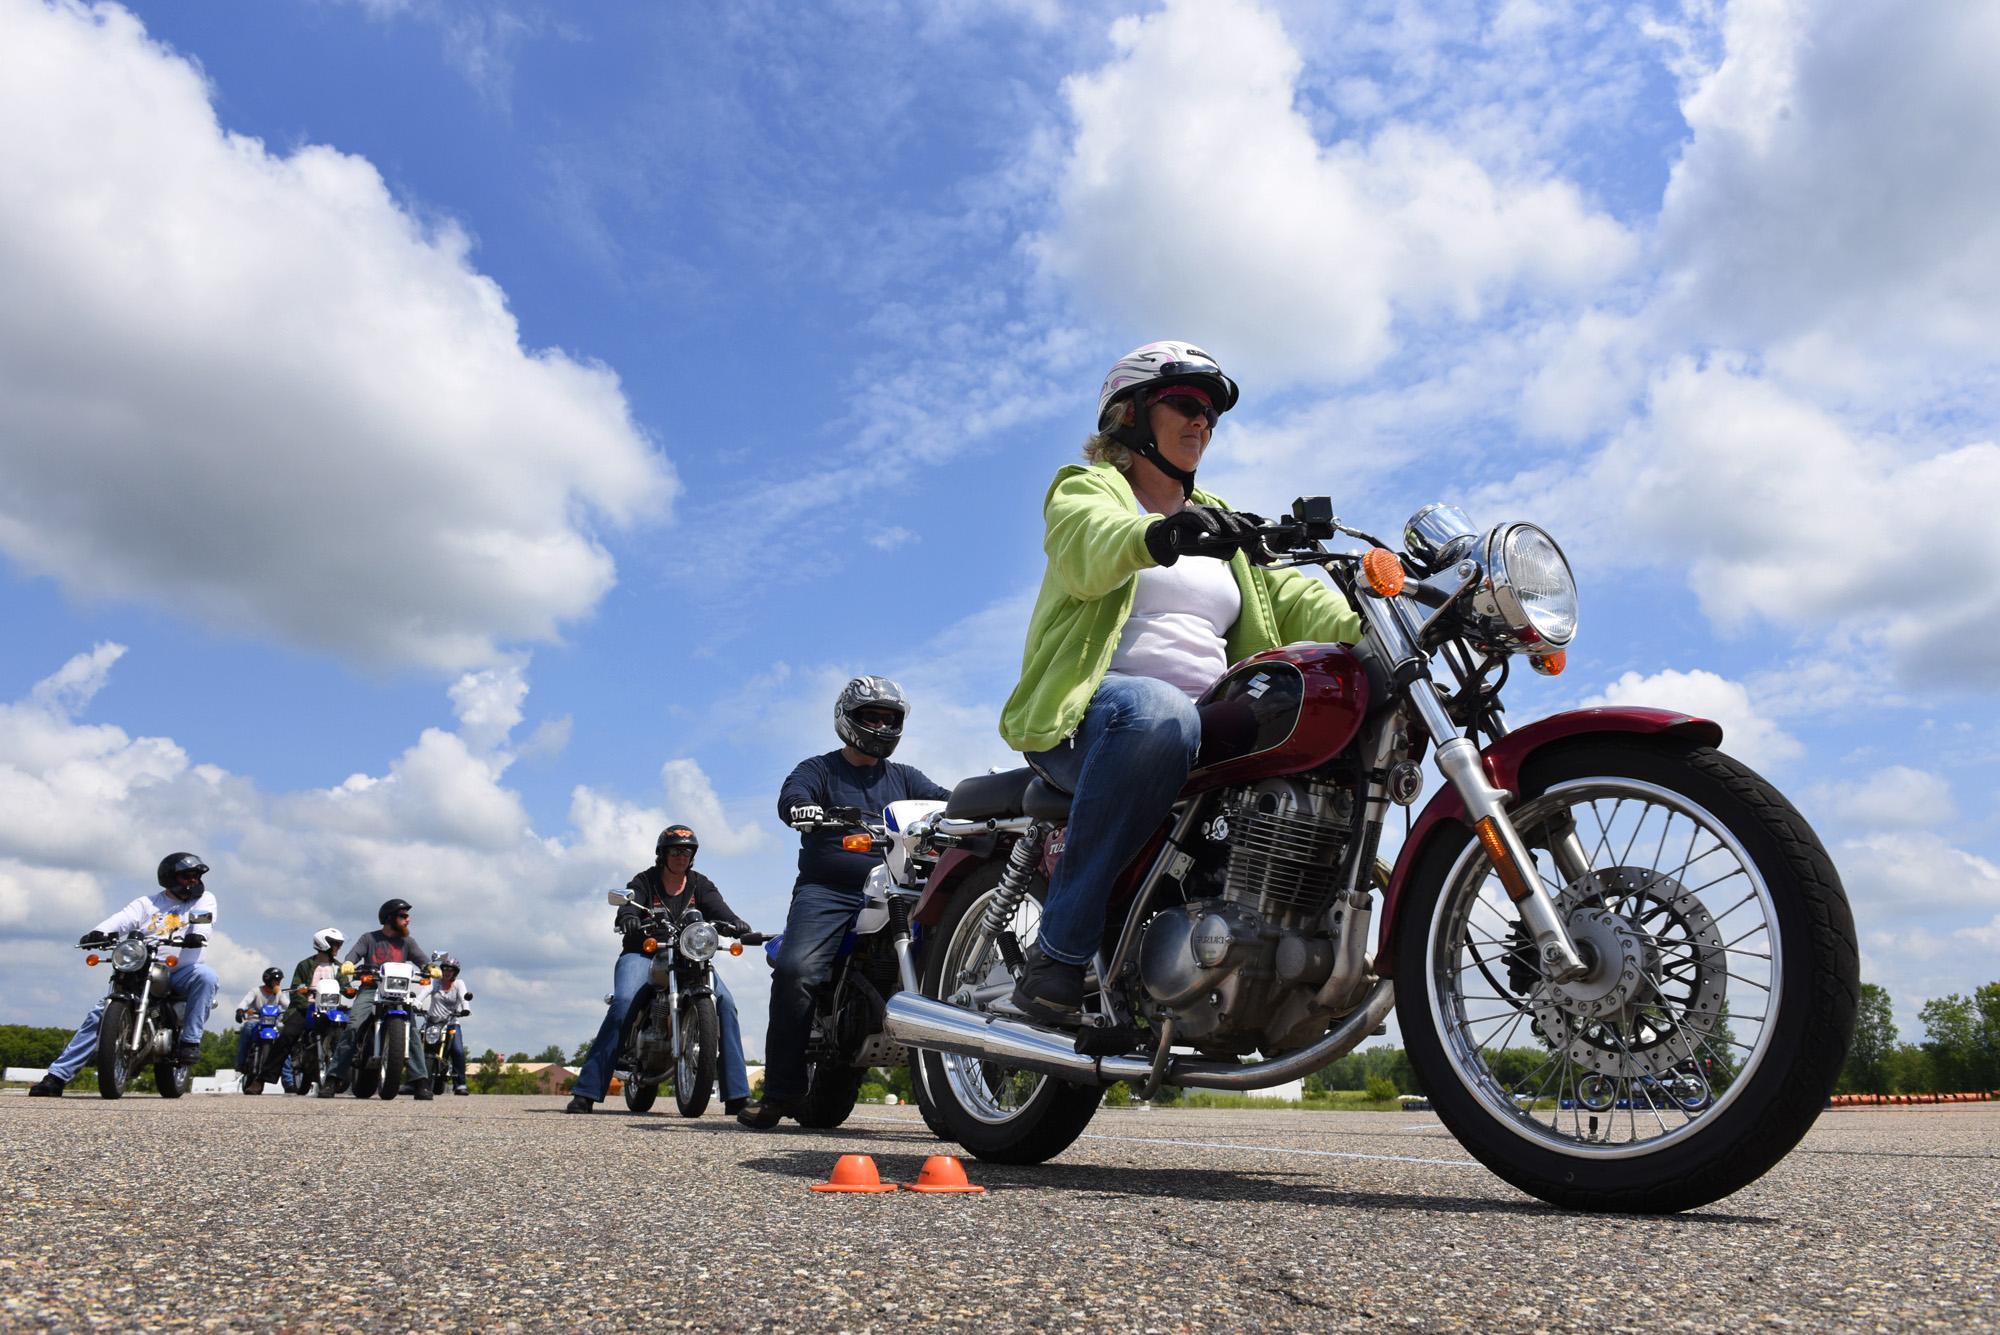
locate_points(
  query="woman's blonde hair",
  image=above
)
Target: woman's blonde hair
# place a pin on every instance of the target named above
(1103, 448)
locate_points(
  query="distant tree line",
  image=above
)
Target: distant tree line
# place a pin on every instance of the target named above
(1960, 1052)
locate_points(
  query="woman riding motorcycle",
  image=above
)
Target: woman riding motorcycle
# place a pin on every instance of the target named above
(1124, 639)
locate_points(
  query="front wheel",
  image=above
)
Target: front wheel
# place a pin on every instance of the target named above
(998, 1113)
(395, 1055)
(114, 1040)
(694, 1066)
(1718, 1010)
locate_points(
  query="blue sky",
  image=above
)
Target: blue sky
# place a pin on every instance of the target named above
(441, 443)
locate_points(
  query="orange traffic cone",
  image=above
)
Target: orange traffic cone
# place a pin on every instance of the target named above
(855, 1172)
(943, 1173)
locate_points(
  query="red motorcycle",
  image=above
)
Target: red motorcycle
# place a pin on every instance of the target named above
(1623, 966)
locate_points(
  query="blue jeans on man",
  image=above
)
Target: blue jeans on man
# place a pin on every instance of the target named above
(816, 924)
(1124, 767)
(193, 984)
(631, 973)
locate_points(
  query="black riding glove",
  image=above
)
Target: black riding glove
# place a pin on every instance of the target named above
(1205, 530)
(193, 940)
(754, 938)
(94, 938)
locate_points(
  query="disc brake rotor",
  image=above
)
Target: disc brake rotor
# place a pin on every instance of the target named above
(1658, 986)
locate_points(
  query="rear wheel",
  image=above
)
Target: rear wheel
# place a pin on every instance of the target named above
(395, 1055)
(114, 1037)
(640, 1098)
(305, 1067)
(926, 1105)
(173, 1079)
(1714, 1022)
(831, 1091)
(997, 1112)
(694, 1069)
(367, 1068)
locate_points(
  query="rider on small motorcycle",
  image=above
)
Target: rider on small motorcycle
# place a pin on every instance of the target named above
(671, 883)
(248, 1015)
(327, 942)
(1123, 640)
(181, 894)
(868, 716)
(392, 942)
(448, 1003)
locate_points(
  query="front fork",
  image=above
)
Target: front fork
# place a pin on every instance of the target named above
(1457, 758)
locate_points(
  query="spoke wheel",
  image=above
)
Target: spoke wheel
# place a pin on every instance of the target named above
(114, 1041)
(694, 1069)
(1717, 1010)
(1000, 1113)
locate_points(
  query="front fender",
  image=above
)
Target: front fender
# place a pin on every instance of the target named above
(1504, 761)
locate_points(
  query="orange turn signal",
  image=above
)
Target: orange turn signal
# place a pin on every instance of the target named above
(1384, 571)
(1496, 850)
(92, 960)
(1549, 664)
(736, 947)
(171, 960)
(857, 843)
(649, 945)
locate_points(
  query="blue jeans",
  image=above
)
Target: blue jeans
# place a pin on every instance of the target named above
(631, 973)
(1125, 766)
(820, 917)
(416, 1068)
(194, 984)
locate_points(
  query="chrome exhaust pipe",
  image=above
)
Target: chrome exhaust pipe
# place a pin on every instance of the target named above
(922, 1022)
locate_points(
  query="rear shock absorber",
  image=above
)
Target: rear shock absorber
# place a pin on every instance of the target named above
(994, 924)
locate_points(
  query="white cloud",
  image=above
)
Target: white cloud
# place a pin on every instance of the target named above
(253, 388)
(1833, 184)
(1197, 195)
(488, 702)
(1914, 875)
(1746, 733)
(1897, 797)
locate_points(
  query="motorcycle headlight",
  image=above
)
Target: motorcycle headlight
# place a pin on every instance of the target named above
(1438, 535)
(699, 941)
(128, 955)
(1529, 590)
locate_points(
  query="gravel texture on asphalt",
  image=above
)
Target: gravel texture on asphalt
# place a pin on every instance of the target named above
(495, 1213)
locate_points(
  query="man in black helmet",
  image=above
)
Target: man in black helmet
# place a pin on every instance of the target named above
(181, 894)
(392, 942)
(672, 884)
(868, 716)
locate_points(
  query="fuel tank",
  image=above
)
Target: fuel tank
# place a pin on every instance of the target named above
(1283, 711)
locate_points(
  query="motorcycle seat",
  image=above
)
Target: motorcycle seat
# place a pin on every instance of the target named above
(1014, 792)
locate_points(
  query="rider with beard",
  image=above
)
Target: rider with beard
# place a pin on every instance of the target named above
(673, 884)
(181, 894)
(1125, 638)
(392, 943)
(327, 942)
(826, 898)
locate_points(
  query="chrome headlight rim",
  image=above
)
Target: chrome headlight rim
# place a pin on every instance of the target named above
(698, 942)
(129, 955)
(1509, 621)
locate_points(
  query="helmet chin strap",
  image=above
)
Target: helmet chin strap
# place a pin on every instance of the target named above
(1139, 440)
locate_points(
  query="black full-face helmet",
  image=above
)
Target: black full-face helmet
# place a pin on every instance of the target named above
(176, 865)
(673, 837)
(273, 977)
(390, 910)
(867, 695)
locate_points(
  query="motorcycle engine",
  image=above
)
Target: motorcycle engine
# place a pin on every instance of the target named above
(653, 1039)
(1239, 966)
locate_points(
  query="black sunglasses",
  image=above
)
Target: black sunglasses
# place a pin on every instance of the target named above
(1187, 405)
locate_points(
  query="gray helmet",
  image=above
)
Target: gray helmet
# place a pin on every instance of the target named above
(176, 865)
(870, 693)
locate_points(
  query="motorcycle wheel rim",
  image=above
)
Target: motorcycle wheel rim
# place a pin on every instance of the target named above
(1473, 915)
(986, 1090)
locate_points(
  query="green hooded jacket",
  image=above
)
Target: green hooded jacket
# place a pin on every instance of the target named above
(1096, 544)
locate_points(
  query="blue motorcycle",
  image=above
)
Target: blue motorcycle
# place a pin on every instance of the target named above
(264, 1024)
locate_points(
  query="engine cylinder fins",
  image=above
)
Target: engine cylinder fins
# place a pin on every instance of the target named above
(1285, 842)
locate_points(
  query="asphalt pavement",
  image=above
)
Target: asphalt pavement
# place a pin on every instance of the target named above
(492, 1213)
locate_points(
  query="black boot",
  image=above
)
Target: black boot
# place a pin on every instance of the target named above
(734, 1106)
(423, 1091)
(48, 1087)
(763, 1114)
(1049, 991)
(579, 1104)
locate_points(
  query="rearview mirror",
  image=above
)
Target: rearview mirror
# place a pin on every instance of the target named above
(618, 899)
(201, 917)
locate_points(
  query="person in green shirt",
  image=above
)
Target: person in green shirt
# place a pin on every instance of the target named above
(1125, 637)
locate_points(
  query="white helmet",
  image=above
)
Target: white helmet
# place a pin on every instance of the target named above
(328, 939)
(1157, 365)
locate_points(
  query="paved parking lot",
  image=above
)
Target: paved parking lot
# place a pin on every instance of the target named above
(500, 1213)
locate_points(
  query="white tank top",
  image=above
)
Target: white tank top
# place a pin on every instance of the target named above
(1181, 615)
